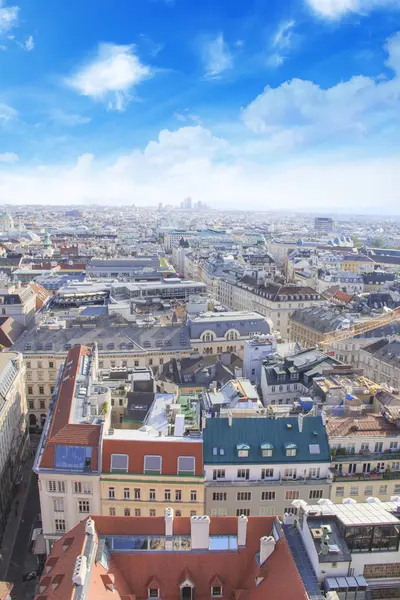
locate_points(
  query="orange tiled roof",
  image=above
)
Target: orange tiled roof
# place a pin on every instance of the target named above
(372, 424)
(132, 572)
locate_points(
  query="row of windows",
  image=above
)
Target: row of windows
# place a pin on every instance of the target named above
(79, 487)
(264, 513)
(124, 363)
(139, 512)
(83, 505)
(152, 464)
(40, 364)
(268, 473)
(40, 390)
(367, 491)
(137, 495)
(267, 496)
(40, 375)
(378, 447)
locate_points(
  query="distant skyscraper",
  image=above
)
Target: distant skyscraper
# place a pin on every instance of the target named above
(187, 203)
(323, 224)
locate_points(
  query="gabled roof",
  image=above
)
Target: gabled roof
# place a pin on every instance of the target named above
(256, 432)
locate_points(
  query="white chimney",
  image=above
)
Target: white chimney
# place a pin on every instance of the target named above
(323, 417)
(267, 546)
(169, 521)
(300, 420)
(89, 527)
(230, 419)
(242, 530)
(79, 573)
(200, 532)
(203, 421)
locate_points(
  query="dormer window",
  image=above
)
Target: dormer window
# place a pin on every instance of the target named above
(266, 449)
(153, 593)
(216, 591)
(291, 449)
(242, 450)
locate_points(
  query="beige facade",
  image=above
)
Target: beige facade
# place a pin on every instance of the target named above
(382, 369)
(149, 496)
(262, 498)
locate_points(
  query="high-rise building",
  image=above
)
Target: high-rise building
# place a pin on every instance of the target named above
(187, 204)
(323, 224)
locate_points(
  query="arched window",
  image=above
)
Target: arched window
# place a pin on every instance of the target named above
(232, 334)
(208, 336)
(32, 420)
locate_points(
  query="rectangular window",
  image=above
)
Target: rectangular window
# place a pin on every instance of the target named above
(112, 511)
(216, 591)
(152, 464)
(152, 494)
(41, 405)
(111, 492)
(340, 492)
(127, 512)
(84, 506)
(315, 494)
(290, 510)
(193, 496)
(268, 496)
(153, 593)
(243, 496)
(382, 490)
(138, 512)
(127, 494)
(152, 512)
(167, 495)
(290, 473)
(292, 495)
(219, 496)
(186, 464)
(60, 525)
(40, 378)
(41, 390)
(315, 472)
(57, 486)
(354, 491)
(243, 473)
(30, 390)
(119, 463)
(58, 504)
(393, 445)
(243, 511)
(218, 474)
(31, 405)
(368, 490)
(267, 473)
(136, 492)
(51, 365)
(178, 495)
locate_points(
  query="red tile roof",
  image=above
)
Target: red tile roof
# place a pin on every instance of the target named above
(168, 449)
(133, 572)
(61, 430)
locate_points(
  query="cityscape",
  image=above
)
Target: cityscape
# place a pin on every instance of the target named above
(200, 300)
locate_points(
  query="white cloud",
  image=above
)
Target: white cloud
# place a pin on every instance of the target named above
(354, 107)
(216, 56)
(29, 44)
(335, 9)
(111, 76)
(8, 17)
(67, 119)
(8, 157)
(192, 161)
(281, 44)
(7, 113)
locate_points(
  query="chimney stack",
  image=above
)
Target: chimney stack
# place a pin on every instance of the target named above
(230, 419)
(323, 417)
(169, 521)
(300, 420)
(89, 527)
(267, 546)
(200, 532)
(242, 530)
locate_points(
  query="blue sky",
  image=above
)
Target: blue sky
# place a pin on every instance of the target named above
(239, 103)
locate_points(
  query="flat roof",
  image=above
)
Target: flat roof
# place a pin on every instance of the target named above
(358, 514)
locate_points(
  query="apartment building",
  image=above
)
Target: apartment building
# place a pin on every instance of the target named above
(144, 473)
(258, 466)
(68, 460)
(353, 548)
(172, 557)
(365, 456)
(18, 302)
(381, 362)
(286, 380)
(13, 428)
(127, 346)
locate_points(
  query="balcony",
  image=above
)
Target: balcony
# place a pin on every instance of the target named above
(348, 457)
(387, 476)
(268, 482)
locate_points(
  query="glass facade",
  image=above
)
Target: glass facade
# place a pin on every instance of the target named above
(76, 458)
(372, 538)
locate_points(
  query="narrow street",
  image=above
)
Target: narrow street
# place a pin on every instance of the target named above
(22, 561)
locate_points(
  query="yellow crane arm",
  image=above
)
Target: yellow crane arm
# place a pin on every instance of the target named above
(343, 334)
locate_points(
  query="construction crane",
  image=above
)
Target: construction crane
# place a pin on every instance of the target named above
(359, 328)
